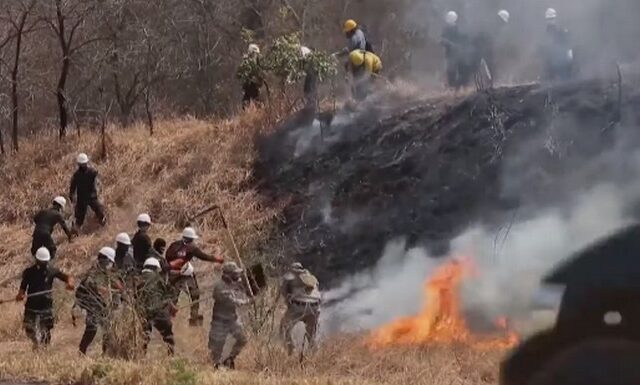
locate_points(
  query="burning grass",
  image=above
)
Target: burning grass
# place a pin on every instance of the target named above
(187, 165)
(441, 320)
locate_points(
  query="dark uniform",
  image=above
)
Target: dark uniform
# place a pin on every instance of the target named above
(178, 254)
(154, 299)
(141, 243)
(94, 295)
(250, 73)
(556, 51)
(83, 183)
(38, 310)
(459, 55)
(45, 221)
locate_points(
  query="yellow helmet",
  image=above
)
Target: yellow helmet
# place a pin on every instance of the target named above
(350, 25)
(356, 57)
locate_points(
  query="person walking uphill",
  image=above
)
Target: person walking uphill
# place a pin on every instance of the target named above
(95, 295)
(84, 186)
(141, 241)
(45, 221)
(302, 296)
(36, 286)
(178, 256)
(228, 294)
(124, 257)
(154, 298)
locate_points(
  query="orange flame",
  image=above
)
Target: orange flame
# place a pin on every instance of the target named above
(441, 320)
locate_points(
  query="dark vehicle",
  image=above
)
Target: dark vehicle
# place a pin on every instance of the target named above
(596, 336)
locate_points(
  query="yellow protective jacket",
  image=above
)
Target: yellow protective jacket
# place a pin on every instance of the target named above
(371, 61)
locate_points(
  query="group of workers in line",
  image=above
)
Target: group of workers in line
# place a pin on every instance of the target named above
(466, 50)
(149, 277)
(466, 53)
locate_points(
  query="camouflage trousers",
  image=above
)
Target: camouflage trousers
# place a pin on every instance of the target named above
(189, 285)
(221, 328)
(307, 314)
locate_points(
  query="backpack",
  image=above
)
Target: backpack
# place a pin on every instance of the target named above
(368, 46)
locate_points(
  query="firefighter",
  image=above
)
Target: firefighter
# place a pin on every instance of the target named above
(124, 261)
(154, 298)
(310, 88)
(364, 67)
(178, 255)
(45, 220)
(95, 295)
(557, 51)
(36, 285)
(356, 38)
(141, 241)
(457, 52)
(228, 295)
(84, 186)
(302, 296)
(250, 73)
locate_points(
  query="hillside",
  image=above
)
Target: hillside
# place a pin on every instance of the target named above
(417, 167)
(429, 169)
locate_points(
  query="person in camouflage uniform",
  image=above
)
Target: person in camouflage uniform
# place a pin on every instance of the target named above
(95, 295)
(228, 294)
(154, 300)
(301, 293)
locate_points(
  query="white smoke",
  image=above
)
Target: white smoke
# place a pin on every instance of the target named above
(510, 264)
(392, 289)
(512, 261)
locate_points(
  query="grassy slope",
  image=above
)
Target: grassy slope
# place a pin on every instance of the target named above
(187, 165)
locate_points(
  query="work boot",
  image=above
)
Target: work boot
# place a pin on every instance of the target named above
(229, 363)
(196, 321)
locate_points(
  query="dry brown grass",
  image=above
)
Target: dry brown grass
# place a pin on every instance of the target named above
(185, 166)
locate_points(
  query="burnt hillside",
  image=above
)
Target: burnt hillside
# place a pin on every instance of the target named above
(426, 170)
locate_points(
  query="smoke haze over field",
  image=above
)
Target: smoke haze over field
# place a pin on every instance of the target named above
(512, 257)
(602, 32)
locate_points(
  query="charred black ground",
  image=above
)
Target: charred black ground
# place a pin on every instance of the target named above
(426, 170)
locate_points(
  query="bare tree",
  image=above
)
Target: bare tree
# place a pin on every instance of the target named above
(67, 18)
(18, 19)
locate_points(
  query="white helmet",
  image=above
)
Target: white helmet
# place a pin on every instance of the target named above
(451, 18)
(43, 254)
(189, 233)
(550, 14)
(82, 158)
(187, 270)
(60, 201)
(504, 15)
(152, 262)
(108, 253)
(123, 238)
(253, 49)
(305, 51)
(144, 218)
